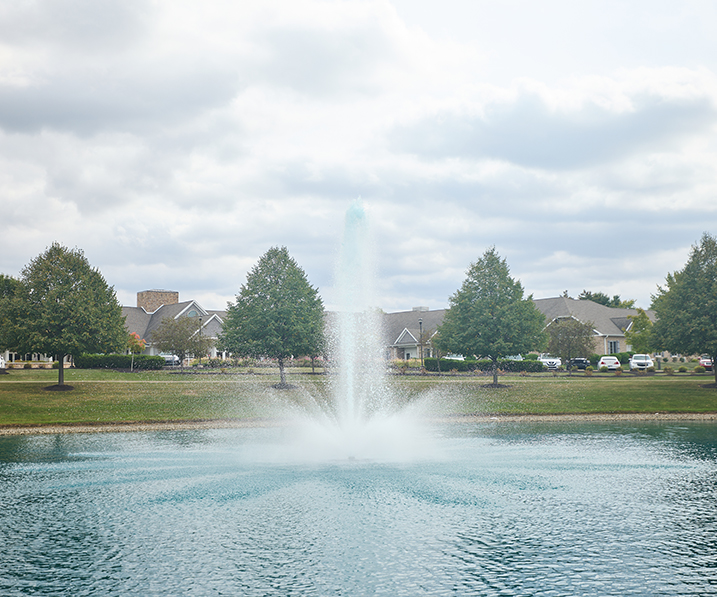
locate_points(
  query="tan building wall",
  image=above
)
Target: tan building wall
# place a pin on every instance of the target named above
(151, 300)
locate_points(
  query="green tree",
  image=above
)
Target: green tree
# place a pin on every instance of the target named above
(686, 307)
(63, 306)
(277, 313)
(570, 338)
(181, 337)
(603, 299)
(9, 287)
(488, 316)
(639, 336)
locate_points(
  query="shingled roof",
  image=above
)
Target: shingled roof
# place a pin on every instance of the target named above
(607, 321)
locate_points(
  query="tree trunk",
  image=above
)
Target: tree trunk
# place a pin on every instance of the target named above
(61, 370)
(282, 373)
(495, 371)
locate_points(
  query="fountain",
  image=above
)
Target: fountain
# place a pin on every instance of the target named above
(362, 500)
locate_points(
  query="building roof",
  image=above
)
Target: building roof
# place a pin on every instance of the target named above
(397, 324)
(607, 321)
(143, 323)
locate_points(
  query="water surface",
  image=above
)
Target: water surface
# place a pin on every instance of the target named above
(505, 509)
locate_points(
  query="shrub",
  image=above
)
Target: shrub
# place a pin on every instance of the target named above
(594, 358)
(531, 357)
(682, 369)
(651, 369)
(118, 361)
(27, 366)
(56, 365)
(669, 370)
(506, 365)
(603, 369)
(700, 369)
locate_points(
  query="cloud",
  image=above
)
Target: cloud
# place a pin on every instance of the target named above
(531, 133)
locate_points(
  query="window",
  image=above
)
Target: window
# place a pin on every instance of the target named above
(613, 346)
(192, 313)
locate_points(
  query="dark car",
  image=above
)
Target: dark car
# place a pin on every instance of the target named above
(579, 363)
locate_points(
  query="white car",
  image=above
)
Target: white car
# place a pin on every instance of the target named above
(170, 359)
(612, 363)
(641, 361)
(552, 363)
(2, 362)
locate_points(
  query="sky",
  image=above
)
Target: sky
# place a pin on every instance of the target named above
(176, 141)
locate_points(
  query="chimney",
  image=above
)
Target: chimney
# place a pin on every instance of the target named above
(151, 300)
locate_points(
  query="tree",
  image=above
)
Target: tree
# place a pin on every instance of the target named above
(686, 307)
(135, 345)
(277, 313)
(181, 337)
(63, 306)
(603, 299)
(9, 287)
(639, 336)
(488, 315)
(570, 338)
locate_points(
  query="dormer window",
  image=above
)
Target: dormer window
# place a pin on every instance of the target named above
(192, 313)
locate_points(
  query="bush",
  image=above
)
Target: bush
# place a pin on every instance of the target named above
(650, 369)
(594, 358)
(589, 370)
(531, 356)
(603, 369)
(27, 366)
(118, 361)
(682, 369)
(669, 370)
(56, 365)
(505, 365)
(700, 369)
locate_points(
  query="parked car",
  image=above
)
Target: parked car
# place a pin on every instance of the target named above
(170, 359)
(706, 362)
(552, 363)
(641, 361)
(579, 363)
(612, 363)
(2, 362)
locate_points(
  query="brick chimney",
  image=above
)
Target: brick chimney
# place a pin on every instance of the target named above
(151, 300)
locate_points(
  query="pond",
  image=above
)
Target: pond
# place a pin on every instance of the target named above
(485, 509)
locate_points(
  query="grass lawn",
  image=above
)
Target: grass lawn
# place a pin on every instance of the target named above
(107, 396)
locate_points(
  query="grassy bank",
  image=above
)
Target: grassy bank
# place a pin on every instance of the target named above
(108, 396)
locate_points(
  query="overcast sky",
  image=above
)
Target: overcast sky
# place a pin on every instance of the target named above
(176, 141)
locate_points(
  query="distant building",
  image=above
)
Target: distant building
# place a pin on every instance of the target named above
(153, 306)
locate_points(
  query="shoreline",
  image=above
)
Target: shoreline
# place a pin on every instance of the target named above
(122, 427)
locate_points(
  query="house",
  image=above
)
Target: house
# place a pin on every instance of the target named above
(155, 305)
(402, 332)
(609, 323)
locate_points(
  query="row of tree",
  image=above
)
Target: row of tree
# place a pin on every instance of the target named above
(62, 306)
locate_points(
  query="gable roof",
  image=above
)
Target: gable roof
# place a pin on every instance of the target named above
(607, 321)
(139, 321)
(398, 325)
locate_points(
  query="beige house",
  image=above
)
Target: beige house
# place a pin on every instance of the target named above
(609, 323)
(155, 305)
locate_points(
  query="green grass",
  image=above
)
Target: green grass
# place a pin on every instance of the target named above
(107, 396)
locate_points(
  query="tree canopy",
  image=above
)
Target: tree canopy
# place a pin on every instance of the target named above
(570, 338)
(277, 313)
(63, 306)
(181, 337)
(686, 306)
(639, 336)
(488, 316)
(603, 299)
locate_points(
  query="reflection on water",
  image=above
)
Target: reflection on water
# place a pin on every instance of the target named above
(523, 509)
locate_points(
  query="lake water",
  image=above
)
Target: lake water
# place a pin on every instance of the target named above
(486, 509)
